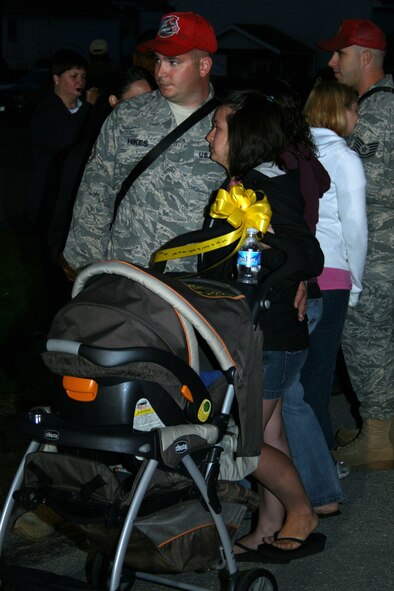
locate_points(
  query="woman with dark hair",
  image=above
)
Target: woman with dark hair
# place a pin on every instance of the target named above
(248, 139)
(58, 123)
(309, 449)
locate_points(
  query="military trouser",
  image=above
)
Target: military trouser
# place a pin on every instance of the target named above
(367, 344)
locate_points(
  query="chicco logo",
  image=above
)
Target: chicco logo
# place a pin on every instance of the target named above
(181, 447)
(51, 435)
(169, 26)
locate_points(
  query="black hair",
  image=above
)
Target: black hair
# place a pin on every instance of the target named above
(122, 79)
(295, 122)
(282, 92)
(65, 59)
(255, 131)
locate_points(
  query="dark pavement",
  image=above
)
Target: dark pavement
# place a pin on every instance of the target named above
(359, 550)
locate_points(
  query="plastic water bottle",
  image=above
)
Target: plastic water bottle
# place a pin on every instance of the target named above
(249, 258)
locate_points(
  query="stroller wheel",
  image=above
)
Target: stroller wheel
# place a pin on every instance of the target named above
(257, 579)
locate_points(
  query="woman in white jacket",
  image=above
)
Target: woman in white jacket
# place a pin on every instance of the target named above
(331, 110)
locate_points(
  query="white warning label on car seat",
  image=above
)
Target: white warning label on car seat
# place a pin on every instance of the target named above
(145, 417)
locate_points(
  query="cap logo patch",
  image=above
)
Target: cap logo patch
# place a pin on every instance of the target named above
(169, 27)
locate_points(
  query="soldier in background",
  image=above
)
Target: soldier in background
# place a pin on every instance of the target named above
(101, 68)
(357, 60)
(169, 197)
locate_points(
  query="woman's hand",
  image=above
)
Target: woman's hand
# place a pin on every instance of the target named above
(271, 230)
(300, 301)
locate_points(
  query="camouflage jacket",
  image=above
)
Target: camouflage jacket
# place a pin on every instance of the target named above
(167, 199)
(373, 140)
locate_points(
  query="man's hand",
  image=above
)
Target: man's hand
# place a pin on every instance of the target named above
(92, 95)
(300, 301)
(68, 271)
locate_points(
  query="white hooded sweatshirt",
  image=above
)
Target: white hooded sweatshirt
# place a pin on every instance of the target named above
(342, 227)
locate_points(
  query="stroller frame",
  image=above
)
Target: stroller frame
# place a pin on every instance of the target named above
(37, 424)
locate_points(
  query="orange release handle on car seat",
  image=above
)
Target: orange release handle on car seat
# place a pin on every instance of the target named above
(82, 389)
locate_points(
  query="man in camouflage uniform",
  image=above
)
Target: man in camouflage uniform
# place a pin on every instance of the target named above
(357, 60)
(169, 197)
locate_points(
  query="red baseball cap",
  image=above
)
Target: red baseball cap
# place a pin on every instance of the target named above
(361, 32)
(180, 32)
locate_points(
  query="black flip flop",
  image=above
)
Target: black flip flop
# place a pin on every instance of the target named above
(249, 555)
(313, 544)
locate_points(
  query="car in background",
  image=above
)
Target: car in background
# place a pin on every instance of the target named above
(19, 99)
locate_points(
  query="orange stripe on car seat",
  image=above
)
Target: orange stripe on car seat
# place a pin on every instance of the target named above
(185, 533)
(82, 389)
(186, 393)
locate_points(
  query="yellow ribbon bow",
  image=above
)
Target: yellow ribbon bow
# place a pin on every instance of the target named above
(240, 208)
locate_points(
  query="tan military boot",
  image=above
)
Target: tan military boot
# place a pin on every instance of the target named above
(345, 435)
(371, 450)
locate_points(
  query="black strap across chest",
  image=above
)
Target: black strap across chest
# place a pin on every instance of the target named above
(163, 144)
(373, 90)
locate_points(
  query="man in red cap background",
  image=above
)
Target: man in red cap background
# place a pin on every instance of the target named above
(170, 196)
(358, 55)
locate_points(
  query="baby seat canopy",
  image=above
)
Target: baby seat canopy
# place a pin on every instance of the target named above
(117, 305)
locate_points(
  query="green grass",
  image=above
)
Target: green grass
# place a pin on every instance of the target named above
(20, 280)
(23, 377)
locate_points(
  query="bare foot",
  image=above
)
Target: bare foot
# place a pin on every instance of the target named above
(327, 509)
(296, 525)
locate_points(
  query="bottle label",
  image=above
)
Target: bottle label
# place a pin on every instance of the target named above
(249, 258)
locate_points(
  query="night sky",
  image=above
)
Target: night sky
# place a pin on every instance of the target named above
(308, 21)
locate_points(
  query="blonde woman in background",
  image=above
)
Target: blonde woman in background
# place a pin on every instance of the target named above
(331, 110)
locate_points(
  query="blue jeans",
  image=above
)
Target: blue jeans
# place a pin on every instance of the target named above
(280, 370)
(307, 444)
(317, 375)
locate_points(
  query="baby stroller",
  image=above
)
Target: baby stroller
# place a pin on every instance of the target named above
(156, 384)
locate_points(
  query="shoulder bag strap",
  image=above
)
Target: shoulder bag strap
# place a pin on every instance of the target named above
(164, 143)
(373, 90)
